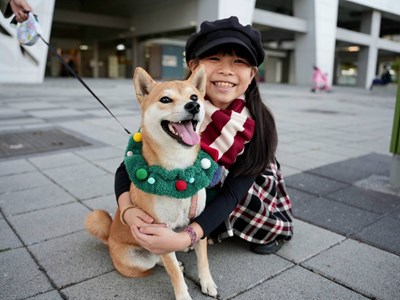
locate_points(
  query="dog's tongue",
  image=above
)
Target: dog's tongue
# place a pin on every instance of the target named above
(186, 132)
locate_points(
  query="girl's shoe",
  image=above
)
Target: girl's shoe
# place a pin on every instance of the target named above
(265, 249)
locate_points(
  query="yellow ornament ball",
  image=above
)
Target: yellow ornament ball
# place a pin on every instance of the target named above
(137, 137)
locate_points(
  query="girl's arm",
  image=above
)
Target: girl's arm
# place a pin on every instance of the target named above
(233, 190)
(158, 239)
(133, 216)
(122, 182)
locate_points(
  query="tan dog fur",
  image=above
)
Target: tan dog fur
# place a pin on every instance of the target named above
(159, 149)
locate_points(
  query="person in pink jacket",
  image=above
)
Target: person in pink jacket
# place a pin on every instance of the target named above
(320, 81)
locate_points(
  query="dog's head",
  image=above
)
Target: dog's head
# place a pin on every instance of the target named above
(173, 109)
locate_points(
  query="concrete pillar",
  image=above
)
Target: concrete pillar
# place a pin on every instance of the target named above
(368, 56)
(210, 10)
(94, 63)
(135, 53)
(317, 46)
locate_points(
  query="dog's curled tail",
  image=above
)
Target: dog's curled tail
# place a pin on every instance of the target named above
(98, 223)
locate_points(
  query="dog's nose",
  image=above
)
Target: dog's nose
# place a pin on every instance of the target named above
(192, 107)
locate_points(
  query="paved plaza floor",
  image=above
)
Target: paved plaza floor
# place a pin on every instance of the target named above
(59, 150)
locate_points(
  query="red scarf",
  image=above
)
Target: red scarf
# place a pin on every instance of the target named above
(226, 131)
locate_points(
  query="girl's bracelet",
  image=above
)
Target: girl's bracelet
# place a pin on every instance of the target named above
(121, 215)
(192, 234)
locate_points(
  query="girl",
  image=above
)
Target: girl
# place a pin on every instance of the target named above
(239, 133)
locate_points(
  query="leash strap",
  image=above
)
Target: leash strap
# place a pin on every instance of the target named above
(193, 206)
(73, 73)
(29, 31)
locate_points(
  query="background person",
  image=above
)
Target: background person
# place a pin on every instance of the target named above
(320, 81)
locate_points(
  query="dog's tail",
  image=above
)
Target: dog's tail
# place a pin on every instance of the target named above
(98, 223)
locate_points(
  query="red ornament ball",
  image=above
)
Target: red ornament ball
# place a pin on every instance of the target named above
(181, 185)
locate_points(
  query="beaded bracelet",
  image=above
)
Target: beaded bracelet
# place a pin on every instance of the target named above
(121, 215)
(192, 234)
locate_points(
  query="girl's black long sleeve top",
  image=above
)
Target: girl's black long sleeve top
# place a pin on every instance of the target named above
(233, 190)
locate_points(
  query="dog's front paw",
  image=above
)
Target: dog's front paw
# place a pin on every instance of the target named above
(185, 296)
(181, 266)
(208, 287)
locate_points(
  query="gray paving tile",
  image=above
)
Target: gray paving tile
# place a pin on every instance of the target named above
(8, 113)
(355, 169)
(313, 184)
(15, 166)
(308, 240)
(87, 188)
(298, 283)
(365, 199)
(110, 164)
(73, 258)
(379, 183)
(370, 271)
(48, 161)
(19, 285)
(100, 153)
(8, 239)
(297, 195)
(234, 267)
(13, 203)
(383, 234)
(49, 223)
(13, 124)
(75, 172)
(23, 181)
(108, 203)
(112, 285)
(33, 105)
(333, 215)
(53, 295)
(56, 113)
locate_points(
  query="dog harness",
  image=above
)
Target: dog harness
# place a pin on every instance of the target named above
(176, 183)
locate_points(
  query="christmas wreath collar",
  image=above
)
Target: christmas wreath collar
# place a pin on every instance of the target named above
(177, 183)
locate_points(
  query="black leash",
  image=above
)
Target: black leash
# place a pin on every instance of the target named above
(73, 73)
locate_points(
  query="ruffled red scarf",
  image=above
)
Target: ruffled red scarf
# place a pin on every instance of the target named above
(225, 132)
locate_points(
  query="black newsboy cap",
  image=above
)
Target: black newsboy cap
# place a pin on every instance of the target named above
(225, 31)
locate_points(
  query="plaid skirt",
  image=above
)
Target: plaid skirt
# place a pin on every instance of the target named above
(264, 215)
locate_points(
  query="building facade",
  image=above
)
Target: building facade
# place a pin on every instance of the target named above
(350, 40)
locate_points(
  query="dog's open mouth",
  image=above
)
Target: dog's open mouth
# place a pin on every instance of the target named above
(184, 132)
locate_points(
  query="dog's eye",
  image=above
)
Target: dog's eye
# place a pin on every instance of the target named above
(165, 100)
(194, 98)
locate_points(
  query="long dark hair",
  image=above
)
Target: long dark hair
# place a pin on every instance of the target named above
(260, 151)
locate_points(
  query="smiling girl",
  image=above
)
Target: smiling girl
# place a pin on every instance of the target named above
(239, 133)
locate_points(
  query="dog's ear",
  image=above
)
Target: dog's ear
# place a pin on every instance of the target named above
(199, 79)
(143, 83)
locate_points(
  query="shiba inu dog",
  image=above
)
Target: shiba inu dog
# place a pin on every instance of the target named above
(166, 147)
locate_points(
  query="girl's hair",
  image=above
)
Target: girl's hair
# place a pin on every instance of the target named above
(260, 151)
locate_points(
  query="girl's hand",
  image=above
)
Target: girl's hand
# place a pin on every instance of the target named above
(137, 217)
(133, 216)
(159, 239)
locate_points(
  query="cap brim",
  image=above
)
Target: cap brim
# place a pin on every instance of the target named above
(225, 41)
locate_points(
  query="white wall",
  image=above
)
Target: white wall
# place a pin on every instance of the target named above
(28, 68)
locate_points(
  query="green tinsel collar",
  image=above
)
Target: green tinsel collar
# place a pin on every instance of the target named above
(177, 183)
